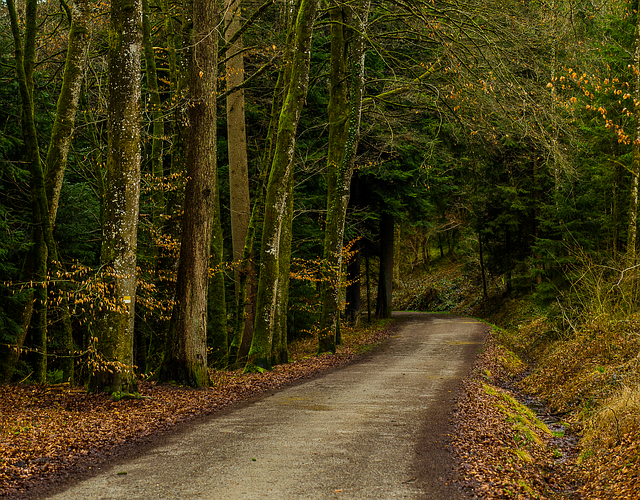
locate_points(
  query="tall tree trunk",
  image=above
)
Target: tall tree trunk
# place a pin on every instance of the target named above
(279, 349)
(278, 189)
(115, 325)
(185, 359)
(42, 234)
(56, 161)
(385, 277)
(236, 136)
(67, 106)
(345, 111)
(635, 166)
(240, 205)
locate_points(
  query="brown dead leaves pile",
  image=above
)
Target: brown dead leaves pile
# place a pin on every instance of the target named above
(501, 455)
(48, 432)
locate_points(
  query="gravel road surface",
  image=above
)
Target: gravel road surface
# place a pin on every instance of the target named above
(374, 429)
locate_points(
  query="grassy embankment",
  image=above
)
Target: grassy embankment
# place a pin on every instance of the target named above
(579, 355)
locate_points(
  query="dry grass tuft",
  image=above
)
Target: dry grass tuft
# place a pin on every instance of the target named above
(619, 416)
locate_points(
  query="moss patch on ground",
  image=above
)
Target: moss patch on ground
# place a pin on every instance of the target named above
(504, 449)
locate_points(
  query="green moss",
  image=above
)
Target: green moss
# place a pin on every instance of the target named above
(511, 362)
(527, 488)
(516, 410)
(523, 455)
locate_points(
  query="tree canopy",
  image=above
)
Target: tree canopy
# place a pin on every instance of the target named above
(204, 177)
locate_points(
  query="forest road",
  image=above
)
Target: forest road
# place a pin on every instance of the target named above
(374, 429)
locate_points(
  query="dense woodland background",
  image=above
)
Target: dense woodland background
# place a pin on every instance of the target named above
(503, 134)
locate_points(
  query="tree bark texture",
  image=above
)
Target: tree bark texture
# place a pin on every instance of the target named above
(114, 328)
(345, 111)
(278, 192)
(280, 349)
(240, 204)
(236, 135)
(185, 358)
(63, 125)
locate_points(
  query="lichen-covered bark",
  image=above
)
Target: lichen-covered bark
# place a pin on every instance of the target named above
(185, 359)
(67, 106)
(279, 348)
(114, 326)
(345, 111)
(635, 165)
(277, 195)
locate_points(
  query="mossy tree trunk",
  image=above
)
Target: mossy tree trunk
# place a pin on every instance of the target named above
(279, 348)
(345, 111)
(278, 189)
(56, 161)
(114, 327)
(185, 357)
(239, 201)
(35, 316)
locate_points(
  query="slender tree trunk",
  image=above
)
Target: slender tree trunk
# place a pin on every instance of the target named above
(114, 328)
(240, 205)
(385, 279)
(56, 161)
(42, 234)
(242, 334)
(354, 301)
(236, 136)
(280, 350)
(63, 125)
(635, 165)
(185, 359)
(345, 111)
(278, 189)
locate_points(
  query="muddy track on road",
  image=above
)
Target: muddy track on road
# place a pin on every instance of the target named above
(374, 429)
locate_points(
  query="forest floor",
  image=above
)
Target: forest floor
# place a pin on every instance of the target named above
(51, 433)
(48, 433)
